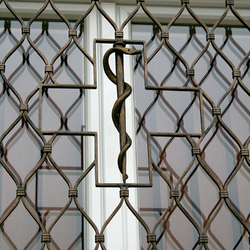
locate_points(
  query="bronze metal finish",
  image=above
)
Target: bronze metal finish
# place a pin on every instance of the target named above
(46, 139)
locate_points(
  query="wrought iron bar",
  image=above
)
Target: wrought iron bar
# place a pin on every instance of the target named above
(175, 179)
(123, 92)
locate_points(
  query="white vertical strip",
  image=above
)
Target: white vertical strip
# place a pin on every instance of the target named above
(110, 145)
(94, 202)
(131, 225)
(123, 230)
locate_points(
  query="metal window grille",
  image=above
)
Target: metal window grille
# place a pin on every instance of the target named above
(53, 86)
(169, 116)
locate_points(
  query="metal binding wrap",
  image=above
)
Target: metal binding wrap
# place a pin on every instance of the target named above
(123, 92)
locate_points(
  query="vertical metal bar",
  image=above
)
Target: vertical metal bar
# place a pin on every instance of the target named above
(40, 108)
(120, 91)
(82, 167)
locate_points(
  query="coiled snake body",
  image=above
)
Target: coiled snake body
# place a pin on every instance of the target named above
(116, 111)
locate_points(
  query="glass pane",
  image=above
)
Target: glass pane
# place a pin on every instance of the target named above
(181, 113)
(46, 204)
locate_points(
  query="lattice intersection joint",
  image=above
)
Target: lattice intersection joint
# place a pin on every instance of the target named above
(124, 193)
(236, 73)
(46, 238)
(196, 150)
(174, 193)
(2, 67)
(48, 68)
(190, 72)
(203, 239)
(23, 107)
(99, 238)
(216, 111)
(73, 192)
(119, 34)
(229, 2)
(224, 194)
(47, 148)
(25, 30)
(244, 152)
(142, 1)
(184, 1)
(72, 32)
(210, 36)
(165, 35)
(20, 192)
(151, 238)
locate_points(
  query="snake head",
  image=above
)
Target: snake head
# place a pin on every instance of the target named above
(129, 51)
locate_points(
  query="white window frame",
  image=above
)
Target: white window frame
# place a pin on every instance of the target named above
(127, 232)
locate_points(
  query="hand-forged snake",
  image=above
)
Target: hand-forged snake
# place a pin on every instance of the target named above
(121, 99)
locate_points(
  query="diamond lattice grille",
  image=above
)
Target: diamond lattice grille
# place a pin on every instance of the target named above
(192, 96)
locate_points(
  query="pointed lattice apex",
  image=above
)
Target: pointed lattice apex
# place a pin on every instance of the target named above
(229, 2)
